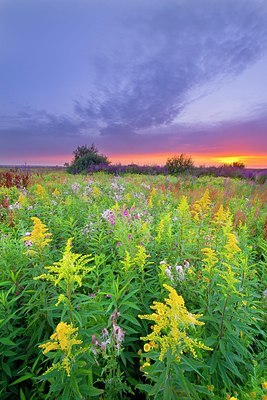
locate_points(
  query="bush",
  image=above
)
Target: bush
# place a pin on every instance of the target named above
(179, 164)
(238, 164)
(84, 158)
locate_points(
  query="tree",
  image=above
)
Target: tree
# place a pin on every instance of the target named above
(180, 163)
(84, 156)
(238, 164)
(81, 151)
(235, 164)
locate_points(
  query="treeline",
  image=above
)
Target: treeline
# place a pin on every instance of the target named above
(88, 160)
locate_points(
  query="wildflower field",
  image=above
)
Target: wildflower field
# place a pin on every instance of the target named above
(133, 287)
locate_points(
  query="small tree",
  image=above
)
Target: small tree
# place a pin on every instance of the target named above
(84, 157)
(179, 164)
(235, 164)
(238, 164)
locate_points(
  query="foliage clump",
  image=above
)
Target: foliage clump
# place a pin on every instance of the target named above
(179, 164)
(14, 178)
(84, 157)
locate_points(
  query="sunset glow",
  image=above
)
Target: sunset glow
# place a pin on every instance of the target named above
(257, 161)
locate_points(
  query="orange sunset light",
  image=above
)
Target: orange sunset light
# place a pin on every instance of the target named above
(230, 160)
(250, 161)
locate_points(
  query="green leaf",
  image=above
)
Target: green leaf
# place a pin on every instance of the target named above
(7, 369)
(5, 283)
(232, 367)
(130, 318)
(168, 392)
(131, 305)
(192, 365)
(144, 388)
(23, 378)
(22, 395)
(93, 391)
(184, 382)
(214, 362)
(222, 347)
(7, 341)
(9, 353)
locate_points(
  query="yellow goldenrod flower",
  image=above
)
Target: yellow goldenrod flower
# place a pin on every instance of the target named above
(39, 237)
(201, 206)
(127, 262)
(223, 217)
(147, 347)
(61, 299)
(183, 206)
(128, 197)
(96, 191)
(171, 320)
(146, 364)
(264, 397)
(63, 339)
(264, 385)
(219, 216)
(70, 269)
(231, 246)
(164, 228)
(56, 192)
(211, 258)
(151, 198)
(40, 191)
(140, 259)
(230, 280)
(22, 200)
(210, 388)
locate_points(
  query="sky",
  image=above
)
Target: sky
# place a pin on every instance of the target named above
(141, 79)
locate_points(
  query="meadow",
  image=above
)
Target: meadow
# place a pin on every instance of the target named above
(134, 286)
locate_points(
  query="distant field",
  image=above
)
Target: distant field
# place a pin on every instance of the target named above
(118, 169)
(32, 168)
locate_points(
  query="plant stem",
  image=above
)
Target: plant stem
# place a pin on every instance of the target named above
(69, 300)
(223, 316)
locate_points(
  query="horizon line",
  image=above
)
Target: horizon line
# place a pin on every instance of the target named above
(25, 165)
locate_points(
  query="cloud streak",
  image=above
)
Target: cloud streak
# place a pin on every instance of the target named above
(182, 45)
